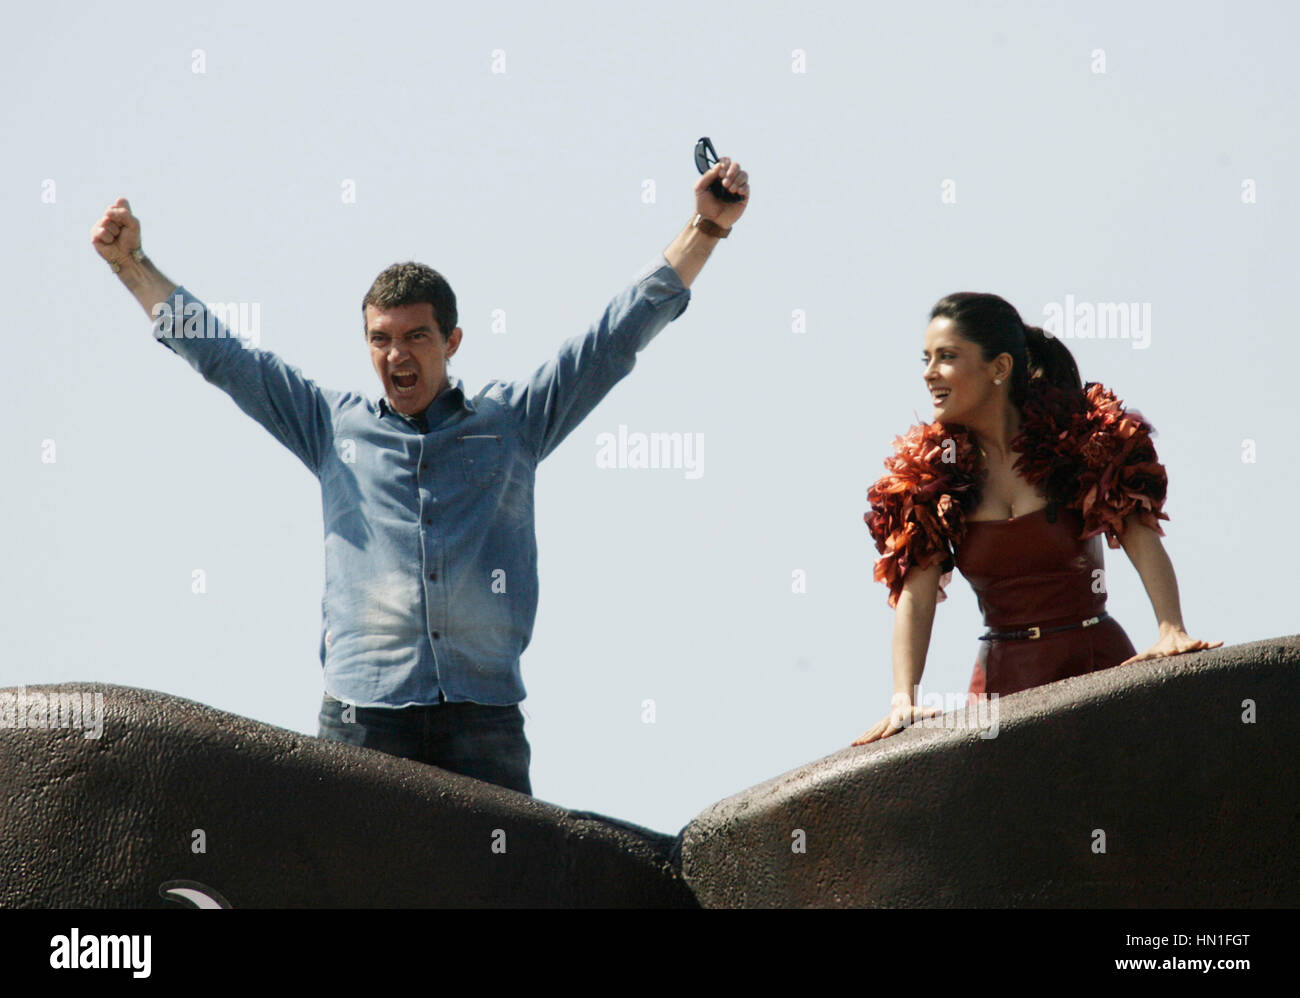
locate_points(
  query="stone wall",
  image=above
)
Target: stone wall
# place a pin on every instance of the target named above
(1159, 764)
(287, 820)
(1166, 783)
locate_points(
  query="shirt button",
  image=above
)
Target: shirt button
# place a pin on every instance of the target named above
(435, 635)
(428, 521)
(433, 576)
(424, 467)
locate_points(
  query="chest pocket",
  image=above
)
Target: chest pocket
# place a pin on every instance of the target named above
(481, 455)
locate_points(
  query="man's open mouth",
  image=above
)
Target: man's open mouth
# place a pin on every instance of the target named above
(405, 381)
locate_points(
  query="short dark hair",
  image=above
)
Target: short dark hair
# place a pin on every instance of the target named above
(994, 325)
(413, 284)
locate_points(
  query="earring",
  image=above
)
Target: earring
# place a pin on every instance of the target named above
(997, 381)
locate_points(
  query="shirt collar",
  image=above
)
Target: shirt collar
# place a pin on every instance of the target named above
(453, 394)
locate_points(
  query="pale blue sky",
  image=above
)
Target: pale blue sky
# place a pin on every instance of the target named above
(526, 189)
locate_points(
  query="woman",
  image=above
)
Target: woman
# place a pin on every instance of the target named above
(1021, 472)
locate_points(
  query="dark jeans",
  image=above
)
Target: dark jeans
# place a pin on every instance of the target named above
(472, 739)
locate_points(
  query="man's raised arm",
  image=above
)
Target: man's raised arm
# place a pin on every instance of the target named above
(291, 407)
(561, 393)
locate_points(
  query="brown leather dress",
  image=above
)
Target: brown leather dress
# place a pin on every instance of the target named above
(1033, 570)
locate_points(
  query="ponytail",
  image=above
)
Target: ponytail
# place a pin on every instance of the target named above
(1047, 358)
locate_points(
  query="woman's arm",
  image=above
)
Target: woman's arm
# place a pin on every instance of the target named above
(1148, 555)
(913, 623)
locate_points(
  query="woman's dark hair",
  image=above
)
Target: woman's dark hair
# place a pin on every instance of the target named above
(993, 324)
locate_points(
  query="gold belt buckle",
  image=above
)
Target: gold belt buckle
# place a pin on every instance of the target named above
(1034, 633)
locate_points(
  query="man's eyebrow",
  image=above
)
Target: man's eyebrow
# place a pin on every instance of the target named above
(417, 329)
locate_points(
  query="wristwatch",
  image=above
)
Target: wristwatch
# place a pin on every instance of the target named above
(709, 227)
(137, 255)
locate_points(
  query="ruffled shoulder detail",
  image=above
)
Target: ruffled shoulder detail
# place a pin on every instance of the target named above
(1086, 450)
(916, 515)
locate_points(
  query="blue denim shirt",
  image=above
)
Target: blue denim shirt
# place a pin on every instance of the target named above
(430, 544)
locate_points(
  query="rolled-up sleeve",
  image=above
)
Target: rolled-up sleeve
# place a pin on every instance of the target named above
(291, 407)
(560, 394)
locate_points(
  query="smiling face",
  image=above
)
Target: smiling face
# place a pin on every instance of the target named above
(960, 381)
(409, 354)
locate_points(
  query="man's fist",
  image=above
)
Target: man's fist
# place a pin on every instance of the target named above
(735, 180)
(116, 234)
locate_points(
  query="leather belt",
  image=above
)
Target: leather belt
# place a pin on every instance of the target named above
(1034, 633)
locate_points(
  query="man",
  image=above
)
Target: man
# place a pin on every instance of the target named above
(430, 544)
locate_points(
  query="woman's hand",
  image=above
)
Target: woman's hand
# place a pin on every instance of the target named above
(1173, 641)
(913, 621)
(1143, 547)
(902, 716)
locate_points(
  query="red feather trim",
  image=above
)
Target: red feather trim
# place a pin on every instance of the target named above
(1082, 450)
(1094, 456)
(916, 508)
